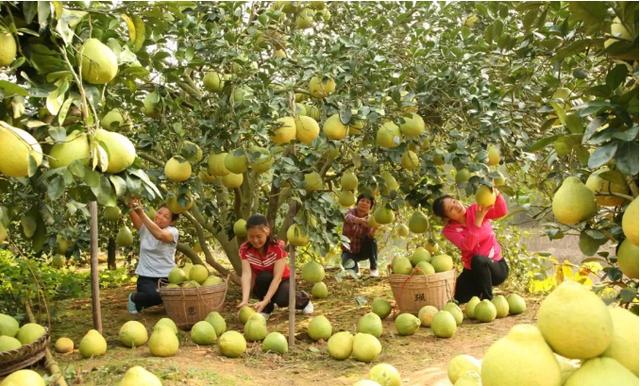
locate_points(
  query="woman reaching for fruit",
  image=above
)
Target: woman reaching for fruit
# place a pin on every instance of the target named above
(158, 243)
(469, 229)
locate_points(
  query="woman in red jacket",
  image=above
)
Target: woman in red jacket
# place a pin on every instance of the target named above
(470, 230)
(265, 272)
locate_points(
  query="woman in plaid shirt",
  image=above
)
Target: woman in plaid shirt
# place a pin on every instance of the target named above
(361, 245)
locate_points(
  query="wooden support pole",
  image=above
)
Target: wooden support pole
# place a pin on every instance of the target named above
(95, 283)
(292, 295)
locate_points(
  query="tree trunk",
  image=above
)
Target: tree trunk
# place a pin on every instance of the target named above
(111, 253)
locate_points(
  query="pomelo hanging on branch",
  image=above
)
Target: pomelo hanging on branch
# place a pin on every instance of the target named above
(99, 63)
(74, 147)
(18, 149)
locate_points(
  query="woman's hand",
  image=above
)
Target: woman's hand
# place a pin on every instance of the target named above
(260, 305)
(135, 204)
(481, 211)
(242, 304)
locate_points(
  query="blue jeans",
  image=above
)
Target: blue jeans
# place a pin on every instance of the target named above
(146, 294)
(367, 252)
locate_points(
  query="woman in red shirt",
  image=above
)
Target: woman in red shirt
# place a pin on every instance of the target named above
(265, 272)
(470, 230)
(362, 245)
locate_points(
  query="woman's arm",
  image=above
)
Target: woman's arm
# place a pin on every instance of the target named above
(135, 217)
(245, 281)
(352, 219)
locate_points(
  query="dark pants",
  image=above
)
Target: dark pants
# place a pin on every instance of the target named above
(281, 297)
(146, 294)
(479, 280)
(368, 251)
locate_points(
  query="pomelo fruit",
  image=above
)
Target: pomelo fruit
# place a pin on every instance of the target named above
(385, 374)
(319, 328)
(462, 176)
(307, 129)
(370, 323)
(163, 342)
(575, 322)
(203, 333)
(75, 147)
(493, 155)
(455, 311)
(624, 344)
(133, 334)
(245, 313)
(232, 180)
(120, 151)
(517, 305)
(425, 268)
(166, 322)
(443, 324)
(442, 263)
(240, 228)
(275, 342)
(627, 255)
(296, 236)
(256, 328)
(319, 290)
(92, 344)
(602, 371)
(346, 198)
(177, 169)
(485, 311)
(112, 119)
(198, 273)
(17, 148)
(407, 324)
(470, 378)
(388, 135)
(426, 315)
(485, 196)
(381, 307)
(349, 181)
(213, 81)
(23, 377)
(217, 321)
(321, 87)
(412, 125)
(112, 213)
(409, 161)
(285, 131)
(139, 376)
(603, 182)
(366, 347)
(8, 343)
(124, 238)
(383, 215)
(573, 202)
(215, 165)
(177, 275)
(334, 129)
(502, 306)
(212, 280)
(340, 345)
(400, 265)
(522, 357)
(8, 325)
(418, 255)
(8, 49)
(30, 332)
(630, 221)
(470, 307)
(236, 161)
(99, 63)
(313, 182)
(232, 344)
(402, 231)
(461, 364)
(418, 222)
(64, 345)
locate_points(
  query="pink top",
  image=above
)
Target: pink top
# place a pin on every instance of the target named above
(473, 240)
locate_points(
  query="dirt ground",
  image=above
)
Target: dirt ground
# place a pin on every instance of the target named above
(421, 359)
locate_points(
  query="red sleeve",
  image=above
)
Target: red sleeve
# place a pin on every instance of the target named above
(243, 250)
(466, 240)
(499, 209)
(280, 250)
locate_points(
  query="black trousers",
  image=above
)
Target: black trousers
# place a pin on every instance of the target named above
(368, 251)
(479, 280)
(281, 297)
(146, 294)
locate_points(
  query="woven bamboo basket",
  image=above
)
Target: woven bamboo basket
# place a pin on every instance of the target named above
(187, 306)
(413, 292)
(24, 356)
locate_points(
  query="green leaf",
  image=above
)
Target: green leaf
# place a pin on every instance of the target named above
(59, 134)
(119, 184)
(627, 158)
(588, 245)
(104, 192)
(44, 10)
(616, 76)
(64, 110)
(602, 155)
(55, 187)
(10, 89)
(574, 123)
(592, 13)
(540, 144)
(67, 23)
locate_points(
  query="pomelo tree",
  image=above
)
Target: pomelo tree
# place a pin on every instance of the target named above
(413, 99)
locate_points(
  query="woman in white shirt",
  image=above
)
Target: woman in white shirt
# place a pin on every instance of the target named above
(158, 242)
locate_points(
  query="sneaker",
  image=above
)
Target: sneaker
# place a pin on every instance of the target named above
(308, 309)
(265, 315)
(374, 273)
(131, 306)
